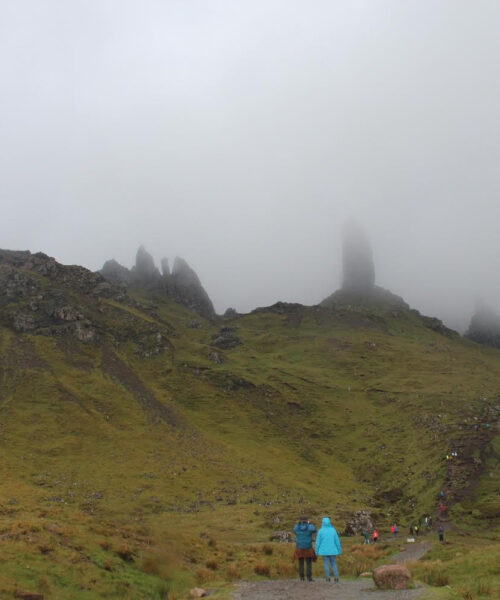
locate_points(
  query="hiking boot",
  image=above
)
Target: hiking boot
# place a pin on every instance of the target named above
(336, 580)
(310, 579)
(327, 578)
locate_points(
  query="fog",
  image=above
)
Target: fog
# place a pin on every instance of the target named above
(242, 135)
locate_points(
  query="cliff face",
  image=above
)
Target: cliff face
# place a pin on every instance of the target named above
(181, 285)
(484, 327)
(358, 275)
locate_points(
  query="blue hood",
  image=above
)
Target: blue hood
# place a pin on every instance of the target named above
(327, 540)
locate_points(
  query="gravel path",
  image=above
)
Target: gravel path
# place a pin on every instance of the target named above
(358, 589)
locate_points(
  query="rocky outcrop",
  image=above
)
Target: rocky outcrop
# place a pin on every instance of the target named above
(39, 295)
(358, 280)
(181, 285)
(115, 272)
(359, 522)
(226, 338)
(391, 577)
(357, 261)
(144, 274)
(185, 287)
(165, 268)
(484, 327)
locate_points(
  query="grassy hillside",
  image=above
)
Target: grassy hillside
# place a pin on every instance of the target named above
(138, 450)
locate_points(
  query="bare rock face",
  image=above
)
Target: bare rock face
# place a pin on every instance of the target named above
(182, 284)
(357, 261)
(165, 268)
(484, 326)
(145, 272)
(360, 521)
(112, 270)
(185, 287)
(358, 282)
(391, 577)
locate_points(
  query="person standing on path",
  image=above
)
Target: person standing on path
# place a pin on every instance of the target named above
(366, 536)
(441, 534)
(304, 531)
(328, 546)
(375, 536)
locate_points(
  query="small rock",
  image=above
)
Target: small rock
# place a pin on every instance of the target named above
(28, 595)
(216, 357)
(197, 593)
(366, 574)
(391, 577)
(280, 536)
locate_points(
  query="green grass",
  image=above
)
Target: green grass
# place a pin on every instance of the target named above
(320, 411)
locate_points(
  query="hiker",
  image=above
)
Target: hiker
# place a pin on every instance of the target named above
(429, 522)
(366, 535)
(304, 531)
(392, 529)
(395, 529)
(416, 529)
(411, 529)
(441, 534)
(442, 508)
(375, 536)
(441, 494)
(328, 546)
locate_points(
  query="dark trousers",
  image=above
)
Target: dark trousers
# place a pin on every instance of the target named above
(308, 567)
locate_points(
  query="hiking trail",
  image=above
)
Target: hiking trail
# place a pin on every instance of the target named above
(319, 589)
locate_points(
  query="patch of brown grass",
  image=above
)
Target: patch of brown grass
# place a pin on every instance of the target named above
(262, 569)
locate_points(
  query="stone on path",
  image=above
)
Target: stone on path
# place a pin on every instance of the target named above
(197, 593)
(391, 577)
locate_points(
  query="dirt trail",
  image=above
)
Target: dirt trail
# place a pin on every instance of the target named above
(358, 589)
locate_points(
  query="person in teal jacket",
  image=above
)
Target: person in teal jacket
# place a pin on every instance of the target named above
(304, 531)
(328, 546)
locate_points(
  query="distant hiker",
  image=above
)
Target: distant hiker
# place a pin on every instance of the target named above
(395, 529)
(304, 531)
(429, 522)
(441, 534)
(488, 425)
(366, 535)
(392, 529)
(375, 536)
(416, 529)
(328, 546)
(441, 494)
(442, 508)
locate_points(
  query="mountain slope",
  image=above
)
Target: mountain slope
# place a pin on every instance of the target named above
(129, 424)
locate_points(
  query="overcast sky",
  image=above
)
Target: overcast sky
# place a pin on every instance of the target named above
(241, 134)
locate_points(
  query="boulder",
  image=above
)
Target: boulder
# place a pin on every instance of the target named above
(391, 577)
(226, 338)
(28, 595)
(281, 536)
(197, 593)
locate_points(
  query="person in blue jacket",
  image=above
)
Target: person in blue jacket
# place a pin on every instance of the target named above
(328, 546)
(304, 531)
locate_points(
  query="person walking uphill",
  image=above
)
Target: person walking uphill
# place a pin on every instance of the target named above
(328, 546)
(304, 532)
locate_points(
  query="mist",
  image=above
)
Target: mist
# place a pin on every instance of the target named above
(242, 136)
